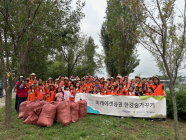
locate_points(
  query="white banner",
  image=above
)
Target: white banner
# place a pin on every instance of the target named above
(128, 106)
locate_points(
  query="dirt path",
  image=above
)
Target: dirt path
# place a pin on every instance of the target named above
(2, 100)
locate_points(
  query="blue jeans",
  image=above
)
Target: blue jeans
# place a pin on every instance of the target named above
(21, 99)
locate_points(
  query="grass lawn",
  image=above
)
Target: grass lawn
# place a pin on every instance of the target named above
(97, 127)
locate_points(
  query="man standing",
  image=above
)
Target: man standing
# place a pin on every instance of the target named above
(32, 79)
(137, 82)
(88, 84)
(144, 86)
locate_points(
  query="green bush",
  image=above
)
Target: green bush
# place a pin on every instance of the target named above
(181, 104)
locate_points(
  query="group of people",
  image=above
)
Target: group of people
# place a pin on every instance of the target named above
(64, 88)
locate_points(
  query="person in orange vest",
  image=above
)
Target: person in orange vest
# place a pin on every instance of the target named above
(137, 82)
(48, 83)
(105, 90)
(145, 85)
(72, 92)
(62, 81)
(39, 82)
(158, 87)
(150, 92)
(130, 91)
(77, 88)
(112, 81)
(50, 95)
(112, 91)
(40, 92)
(84, 89)
(65, 84)
(94, 85)
(32, 79)
(31, 93)
(121, 90)
(88, 84)
(125, 84)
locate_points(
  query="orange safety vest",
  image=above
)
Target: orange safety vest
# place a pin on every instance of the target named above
(112, 92)
(120, 92)
(51, 96)
(30, 82)
(32, 95)
(158, 90)
(40, 95)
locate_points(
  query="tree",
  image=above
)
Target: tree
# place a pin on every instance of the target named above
(24, 22)
(119, 37)
(164, 38)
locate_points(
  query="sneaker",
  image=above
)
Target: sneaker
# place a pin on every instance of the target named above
(164, 121)
(152, 120)
(122, 117)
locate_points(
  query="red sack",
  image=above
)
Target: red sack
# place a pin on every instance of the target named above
(22, 109)
(30, 108)
(42, 102)
(63, 113)
(47, 115)
(34, 117)
(82, 109)
(74, 111)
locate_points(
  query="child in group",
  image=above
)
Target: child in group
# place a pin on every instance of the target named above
(59, 94)
(140, 92)
(98, 91)
(51, 94)
(136, 90)
(105, 90)
(91, 91)
(131, 91)
(72, 92)
(121, 91)
(150, 92)
(67, 94)
(112, 91)
(84, 89)
(31, 93)
(40, 93)
(77, 88)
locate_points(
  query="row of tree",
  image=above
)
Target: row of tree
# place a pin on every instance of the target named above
(42, 36)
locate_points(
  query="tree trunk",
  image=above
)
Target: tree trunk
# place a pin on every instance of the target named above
(8, 108)
(176, 127)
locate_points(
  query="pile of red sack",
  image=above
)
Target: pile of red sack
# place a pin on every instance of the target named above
(42, 113)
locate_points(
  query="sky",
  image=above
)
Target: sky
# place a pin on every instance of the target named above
(94, 11)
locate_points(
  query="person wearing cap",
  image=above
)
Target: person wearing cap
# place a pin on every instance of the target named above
(112, 80)
(18, 91)
(23, 93)
(137, 82)
(31, 93)
(57, 84)
(74, 81)
(48, 83)
(40, 92)
(158, 87)
(88, 84)
(32, 79)
(50, 95)
(39, 82)
(62, 81)
(66, 82)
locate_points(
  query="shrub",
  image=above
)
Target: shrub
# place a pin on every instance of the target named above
(181, 104)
